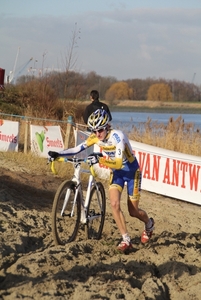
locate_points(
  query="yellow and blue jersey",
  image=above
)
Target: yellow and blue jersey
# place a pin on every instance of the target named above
(116, 146)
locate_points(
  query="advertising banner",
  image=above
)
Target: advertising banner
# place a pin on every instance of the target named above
(9, 135)
(44, 139)
(165, 172)
(169, 173)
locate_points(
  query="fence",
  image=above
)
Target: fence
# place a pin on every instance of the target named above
(24, 131)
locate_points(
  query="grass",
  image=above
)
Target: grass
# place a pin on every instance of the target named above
(156, 107)
(176, 136)
(31, 164)
(28, 163)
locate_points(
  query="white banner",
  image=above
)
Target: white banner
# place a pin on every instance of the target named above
(165, 172)
(9, 135)
(169, 173)
(45, 138)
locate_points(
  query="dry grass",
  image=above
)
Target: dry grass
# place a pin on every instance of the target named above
(28, 163)
(154, 104)
(176, 136)
(31, 164)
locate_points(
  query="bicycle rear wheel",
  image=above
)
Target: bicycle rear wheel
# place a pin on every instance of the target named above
(95, 212)
(65, 214)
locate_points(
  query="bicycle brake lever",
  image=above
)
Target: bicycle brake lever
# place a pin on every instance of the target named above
(49, 160)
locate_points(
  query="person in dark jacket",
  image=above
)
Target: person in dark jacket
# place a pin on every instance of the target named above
(94, 105)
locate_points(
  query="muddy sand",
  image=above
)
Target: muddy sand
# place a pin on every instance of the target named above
(32, 267)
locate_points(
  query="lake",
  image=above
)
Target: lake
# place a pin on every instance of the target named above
(134, 118)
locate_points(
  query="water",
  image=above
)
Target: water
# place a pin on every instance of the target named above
(134, 118)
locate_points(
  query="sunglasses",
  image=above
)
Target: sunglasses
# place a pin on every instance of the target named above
(99, 131)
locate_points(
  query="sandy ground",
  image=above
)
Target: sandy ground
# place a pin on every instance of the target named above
(32, 267)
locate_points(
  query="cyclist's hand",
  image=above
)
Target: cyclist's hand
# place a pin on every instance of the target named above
(53, 154)
(94, 157)
(98, 154)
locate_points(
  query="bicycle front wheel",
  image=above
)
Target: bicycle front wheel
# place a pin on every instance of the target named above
(95, 212)
(65, 214)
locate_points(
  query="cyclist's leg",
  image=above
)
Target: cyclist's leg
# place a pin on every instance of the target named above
(133, 190)
(115, 195)
(115, 190)
(135, 211)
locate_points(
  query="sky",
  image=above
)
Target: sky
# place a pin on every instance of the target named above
(113, 38)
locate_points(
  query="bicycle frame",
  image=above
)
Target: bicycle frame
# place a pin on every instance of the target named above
(78, 189)
(71, 207)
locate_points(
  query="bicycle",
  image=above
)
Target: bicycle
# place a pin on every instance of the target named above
(70, 209)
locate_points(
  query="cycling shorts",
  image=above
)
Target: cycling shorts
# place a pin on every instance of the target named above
(131, 175)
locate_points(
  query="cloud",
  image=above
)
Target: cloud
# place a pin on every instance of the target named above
(137, 43)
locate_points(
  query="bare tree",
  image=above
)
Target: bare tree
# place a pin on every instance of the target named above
(69, 59)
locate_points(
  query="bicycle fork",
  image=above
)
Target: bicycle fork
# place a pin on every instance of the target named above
(93, 214)
(67, 197)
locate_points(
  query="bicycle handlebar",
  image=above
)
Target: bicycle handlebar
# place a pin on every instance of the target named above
(73, 160)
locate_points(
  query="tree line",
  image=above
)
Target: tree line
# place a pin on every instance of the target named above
(53, 95)
(77, 86)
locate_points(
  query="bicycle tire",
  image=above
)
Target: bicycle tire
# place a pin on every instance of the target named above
(95, 213)
(65, 227)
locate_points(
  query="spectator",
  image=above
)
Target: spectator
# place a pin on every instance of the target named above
(94, 105)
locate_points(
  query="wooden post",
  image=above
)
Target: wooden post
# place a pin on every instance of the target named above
(26, 136)
(68, 132)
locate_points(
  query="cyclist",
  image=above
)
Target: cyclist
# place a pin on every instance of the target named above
(124, 168)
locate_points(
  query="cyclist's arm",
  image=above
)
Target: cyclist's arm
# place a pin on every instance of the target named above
(91, 140)
(72, 151)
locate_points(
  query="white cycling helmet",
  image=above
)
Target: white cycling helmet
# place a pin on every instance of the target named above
(98, 120)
